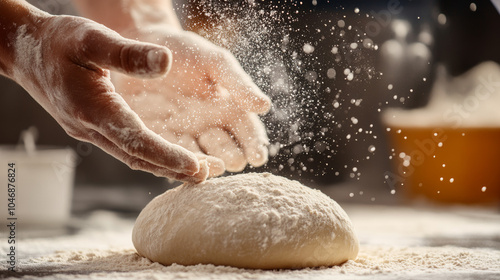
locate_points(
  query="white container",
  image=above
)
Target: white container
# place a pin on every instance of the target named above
(43, 185)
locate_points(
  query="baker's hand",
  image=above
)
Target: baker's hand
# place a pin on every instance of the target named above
(207, 103)
(62, 62)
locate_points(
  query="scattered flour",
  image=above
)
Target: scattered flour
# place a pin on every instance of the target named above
(377, 261)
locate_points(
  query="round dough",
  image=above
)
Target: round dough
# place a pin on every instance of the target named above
(254, 220)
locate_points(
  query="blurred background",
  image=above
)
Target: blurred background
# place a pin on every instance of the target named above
(331, 69)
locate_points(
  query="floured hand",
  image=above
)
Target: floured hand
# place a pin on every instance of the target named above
(61, 61)
(207, 103)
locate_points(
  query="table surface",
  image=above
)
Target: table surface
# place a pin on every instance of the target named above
(397, 242)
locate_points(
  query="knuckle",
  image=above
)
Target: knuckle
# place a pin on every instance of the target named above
(78, 131)
(135, 163)
(89, 37)
(88, 117)
(75, 133)
(87, 42)
(84, 117)
(132, 143)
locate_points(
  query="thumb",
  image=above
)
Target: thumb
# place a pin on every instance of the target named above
(105, 48)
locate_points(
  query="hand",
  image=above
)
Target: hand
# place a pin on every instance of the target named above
(62, 63)
(207, 103)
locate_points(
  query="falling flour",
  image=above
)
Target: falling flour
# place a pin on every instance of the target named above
(254, 220)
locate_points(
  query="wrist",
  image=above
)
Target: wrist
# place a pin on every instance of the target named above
(17, 18)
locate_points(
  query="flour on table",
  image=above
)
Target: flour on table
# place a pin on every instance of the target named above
(102, 249)
(375, 262)
(255, 220)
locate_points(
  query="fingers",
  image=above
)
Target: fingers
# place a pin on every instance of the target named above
(147, 145)
(114, 120)
(251, 134)
(202, 175)
(231, 76)
(216, 166)
(190, 143)
(140, 164)
(219, 143)
(107, 49)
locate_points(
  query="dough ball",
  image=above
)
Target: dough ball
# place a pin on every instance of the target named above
(254, 220)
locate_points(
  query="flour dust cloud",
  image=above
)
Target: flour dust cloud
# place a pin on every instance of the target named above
(318, 64)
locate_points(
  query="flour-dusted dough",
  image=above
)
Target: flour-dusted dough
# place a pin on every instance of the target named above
(254, 220)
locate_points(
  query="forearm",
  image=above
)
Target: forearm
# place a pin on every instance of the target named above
(15, 14)
(123, 15)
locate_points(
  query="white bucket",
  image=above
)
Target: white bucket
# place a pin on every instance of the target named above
(43, 185)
